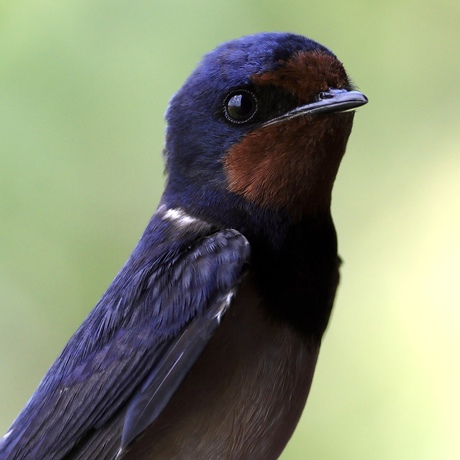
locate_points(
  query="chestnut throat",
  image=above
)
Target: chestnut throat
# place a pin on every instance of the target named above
(290, 166)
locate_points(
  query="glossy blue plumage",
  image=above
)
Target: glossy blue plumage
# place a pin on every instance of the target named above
(125, 339)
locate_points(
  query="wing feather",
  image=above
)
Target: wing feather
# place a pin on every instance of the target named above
(123, 364)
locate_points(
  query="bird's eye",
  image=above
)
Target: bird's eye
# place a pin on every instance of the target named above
(240, 106)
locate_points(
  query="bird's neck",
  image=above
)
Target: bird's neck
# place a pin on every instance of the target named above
(295, 263)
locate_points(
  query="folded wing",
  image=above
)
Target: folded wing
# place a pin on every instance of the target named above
(125, 362)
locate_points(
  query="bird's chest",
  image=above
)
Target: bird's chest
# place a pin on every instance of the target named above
(244, 396)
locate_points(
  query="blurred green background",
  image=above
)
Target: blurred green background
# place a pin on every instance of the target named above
(83, 88)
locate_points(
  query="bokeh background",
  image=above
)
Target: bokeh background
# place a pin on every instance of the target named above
(83, 88)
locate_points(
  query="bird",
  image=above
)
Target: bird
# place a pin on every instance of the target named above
(204, 346)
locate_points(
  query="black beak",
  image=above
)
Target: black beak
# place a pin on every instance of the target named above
(330, 101)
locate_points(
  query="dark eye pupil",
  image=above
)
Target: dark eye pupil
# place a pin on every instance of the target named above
(241, 106)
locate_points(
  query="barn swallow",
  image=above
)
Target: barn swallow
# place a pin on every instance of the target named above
(205, 344)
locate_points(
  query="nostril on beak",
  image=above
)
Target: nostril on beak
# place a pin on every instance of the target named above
(325, 95)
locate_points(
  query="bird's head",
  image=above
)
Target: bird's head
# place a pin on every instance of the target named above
(262, 122)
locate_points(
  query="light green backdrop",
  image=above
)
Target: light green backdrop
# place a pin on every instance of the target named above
(83, 88)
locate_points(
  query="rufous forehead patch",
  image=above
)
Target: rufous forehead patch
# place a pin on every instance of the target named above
(306, 74)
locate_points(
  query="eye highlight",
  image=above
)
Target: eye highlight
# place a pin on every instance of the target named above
(240, 106)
